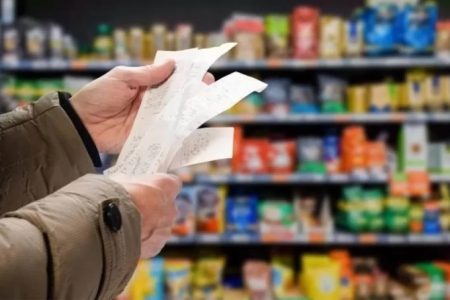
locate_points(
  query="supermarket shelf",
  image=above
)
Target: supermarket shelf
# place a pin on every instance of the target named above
(298, 178)
(335, 239)
(296, 119)
(225, 65)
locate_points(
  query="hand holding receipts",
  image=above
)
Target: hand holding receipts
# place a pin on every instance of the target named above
(165, 134)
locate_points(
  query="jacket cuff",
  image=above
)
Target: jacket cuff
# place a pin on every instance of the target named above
(88, 255)
(79, 126)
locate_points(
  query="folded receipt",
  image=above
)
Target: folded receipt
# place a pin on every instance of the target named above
(165, 134)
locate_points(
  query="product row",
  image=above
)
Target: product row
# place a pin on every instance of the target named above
(379, 28)
(420, 92)
(212, 210)
(333, 276)
(340, 151)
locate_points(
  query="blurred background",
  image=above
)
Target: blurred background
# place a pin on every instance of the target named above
(338, 188)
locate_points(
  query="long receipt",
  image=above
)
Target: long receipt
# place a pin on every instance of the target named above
(165, 134)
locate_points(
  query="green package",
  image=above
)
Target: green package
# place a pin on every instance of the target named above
(437, 278)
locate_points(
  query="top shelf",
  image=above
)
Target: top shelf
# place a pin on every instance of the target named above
(228, 65)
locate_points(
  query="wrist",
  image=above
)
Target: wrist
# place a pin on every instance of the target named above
(81, 128)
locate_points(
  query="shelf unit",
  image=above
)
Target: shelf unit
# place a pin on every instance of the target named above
(77, 66)
(230, 65)
(364, 239)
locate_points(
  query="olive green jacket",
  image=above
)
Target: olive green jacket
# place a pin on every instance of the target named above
(54, 239)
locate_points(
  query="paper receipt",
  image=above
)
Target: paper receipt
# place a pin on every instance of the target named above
(165, 135)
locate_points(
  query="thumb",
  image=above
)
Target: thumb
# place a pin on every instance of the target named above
(147, 75)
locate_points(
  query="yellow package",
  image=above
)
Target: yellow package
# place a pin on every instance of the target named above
(434, 92)
(283, 276)
(415, 90)
(331, 39)
(320, 277)
(357, 99)
(207, 279)
(445, 86)
(178, 278)
(379, 97)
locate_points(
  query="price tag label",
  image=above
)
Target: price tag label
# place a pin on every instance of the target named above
(367, 238)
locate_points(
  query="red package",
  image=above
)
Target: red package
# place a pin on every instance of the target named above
(237, 147)
(305, 32)
(283, 157)
(254, 156)
(353, 149)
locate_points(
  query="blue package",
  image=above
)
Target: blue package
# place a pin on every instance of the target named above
(242, 215)
(302, 99)
(156, 270)
(331, 145)
(380, 27)
(417, 28)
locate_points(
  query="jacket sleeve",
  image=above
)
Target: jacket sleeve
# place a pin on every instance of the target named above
(40, 152)
(64, 246)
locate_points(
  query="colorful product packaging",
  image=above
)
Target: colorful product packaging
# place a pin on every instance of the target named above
(442, 46)
(331, 153)
(207, 278)
(186, 202)
(437, 280)
(433, 90)
(380, 34)
(242, 215)
(439, 158)
(357, 96)
(254, 156)
(210, 209)
(178, 278)
(417, 28)
(283, 276)
(413, 148)
(283, 154)
(415, 90)
(257, 278)
(346, 287)
(147, 282)
(277, 221)
(353, 37)
(183, 36)
(310, 155)
(379, 97)
(320, 277)
(305, 32)
(277, 35)
(302, 99)
(247, 31)
(331, 39)
(276, 96)
(331, 94)
(353, 149)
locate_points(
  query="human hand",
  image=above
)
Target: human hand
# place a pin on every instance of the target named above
(108, 105)
(155, 201)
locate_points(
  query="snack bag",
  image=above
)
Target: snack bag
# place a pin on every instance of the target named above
(305, 32)
(302, 99)
(255, 156)
(357, 96)
(276, 96)
(186, 206)
(346, 273)
(353, 147)
(210, 209)
(354, 37)
(178, 278)
(283, 276)
(247, 32)
(207, 279)
(380, 29)
(417, 28)
(310, 155)
(277, 221)
(257, 278)
(242, 215)
(379, 97)
(277, 35)
(238, 150)
(376, 158)
(147, 282)
(331, 94)
(415, 90)
(331, 153)
(320, 277)
(443, 39)
(283, 157)
(331, 40)
(433, 91)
